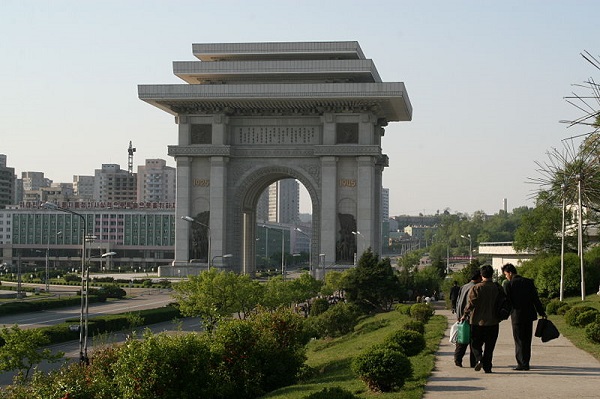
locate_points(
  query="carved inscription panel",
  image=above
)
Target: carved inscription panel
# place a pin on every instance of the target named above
(276, 135)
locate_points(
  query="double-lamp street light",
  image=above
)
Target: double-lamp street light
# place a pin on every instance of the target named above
(84, 311)
(468, 237)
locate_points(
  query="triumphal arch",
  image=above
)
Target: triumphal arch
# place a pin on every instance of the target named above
(250, 114)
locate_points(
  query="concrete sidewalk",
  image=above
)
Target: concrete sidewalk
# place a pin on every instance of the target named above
(558, 370)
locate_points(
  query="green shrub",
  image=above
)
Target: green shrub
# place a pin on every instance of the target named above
(572, 314)
(338, 320)
(563, 309)
(592, 332)
(553, 306)
(112, 291)
(257, 355)
(382, 369)
(71, 278)
(411, 343)
(163, 366)
(587, 317)
(332, 393)
(421, 312)
(415, 325)
(147, 284)
(319, 306)
(403, 308)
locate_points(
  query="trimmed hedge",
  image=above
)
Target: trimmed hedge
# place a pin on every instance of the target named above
(331, 393)
(44, 304)
(98, 325)
(573, 313)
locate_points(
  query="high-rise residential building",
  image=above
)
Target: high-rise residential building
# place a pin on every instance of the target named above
(156, 181)
(7, 183)
(34, 181)
(56, 192)
(111, 183)
(284, 201)
(385, 204)
(83, 187)
(262, 207)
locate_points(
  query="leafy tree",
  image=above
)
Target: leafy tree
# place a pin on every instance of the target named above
(427, 280)
(277, 293)
(538, 229)
(22, 350)
(304, 287)
(372, 284)
(211, 296)
(333, 282)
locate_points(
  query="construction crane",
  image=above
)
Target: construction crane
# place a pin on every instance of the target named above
(130, 151)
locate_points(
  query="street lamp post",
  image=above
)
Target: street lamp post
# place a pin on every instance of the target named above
(357, 234)
(192, 220)
(83, 356)
(52, 206)
(212, 262)
(48, 262)
(309, 249)
(322, 262)
(468, 237)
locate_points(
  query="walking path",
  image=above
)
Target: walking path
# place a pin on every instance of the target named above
(558, 370)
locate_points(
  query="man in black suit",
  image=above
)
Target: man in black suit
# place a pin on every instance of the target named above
(526, 305)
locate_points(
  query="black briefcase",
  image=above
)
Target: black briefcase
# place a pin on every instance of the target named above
(546, 330)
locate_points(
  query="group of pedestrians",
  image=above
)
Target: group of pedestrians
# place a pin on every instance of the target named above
(476, 303)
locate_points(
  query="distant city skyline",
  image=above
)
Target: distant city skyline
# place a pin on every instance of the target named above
(487, 82)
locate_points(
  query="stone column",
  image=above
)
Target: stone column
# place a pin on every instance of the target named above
(182, 228)
(365, 199)
(329, 212)
(218, 205)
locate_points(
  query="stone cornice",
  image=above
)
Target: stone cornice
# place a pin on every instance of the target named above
(387, 100)
(275, 151)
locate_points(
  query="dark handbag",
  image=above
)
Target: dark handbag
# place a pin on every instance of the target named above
(546, 330)
(463, 335)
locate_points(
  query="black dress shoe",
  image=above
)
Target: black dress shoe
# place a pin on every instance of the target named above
(478, 366)
(521, 368)
(487, 371)
(458, 364)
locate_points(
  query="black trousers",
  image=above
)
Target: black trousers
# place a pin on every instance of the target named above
(523, 334)
(459, 353)
(483, 342)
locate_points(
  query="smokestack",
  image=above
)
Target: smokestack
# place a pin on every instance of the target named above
(505, 205)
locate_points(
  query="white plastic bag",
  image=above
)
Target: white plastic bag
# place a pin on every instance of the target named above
(454, 332)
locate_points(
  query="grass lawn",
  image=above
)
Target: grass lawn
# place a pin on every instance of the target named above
(577, 334)
(330, 359)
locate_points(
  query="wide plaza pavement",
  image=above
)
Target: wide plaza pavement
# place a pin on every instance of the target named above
(558, 370)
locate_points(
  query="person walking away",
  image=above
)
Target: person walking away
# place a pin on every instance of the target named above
(461, 303)
(485, 324)
(454, 291)
(526, 306)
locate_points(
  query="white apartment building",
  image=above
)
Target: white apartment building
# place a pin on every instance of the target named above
(156, 181)
(83, 187)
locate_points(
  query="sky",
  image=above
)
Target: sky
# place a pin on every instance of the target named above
(487, 81)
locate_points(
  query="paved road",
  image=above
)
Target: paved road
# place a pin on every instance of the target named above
(558, 370)
(144, 299)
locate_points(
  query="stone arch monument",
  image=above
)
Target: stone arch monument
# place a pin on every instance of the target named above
(250, 114)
